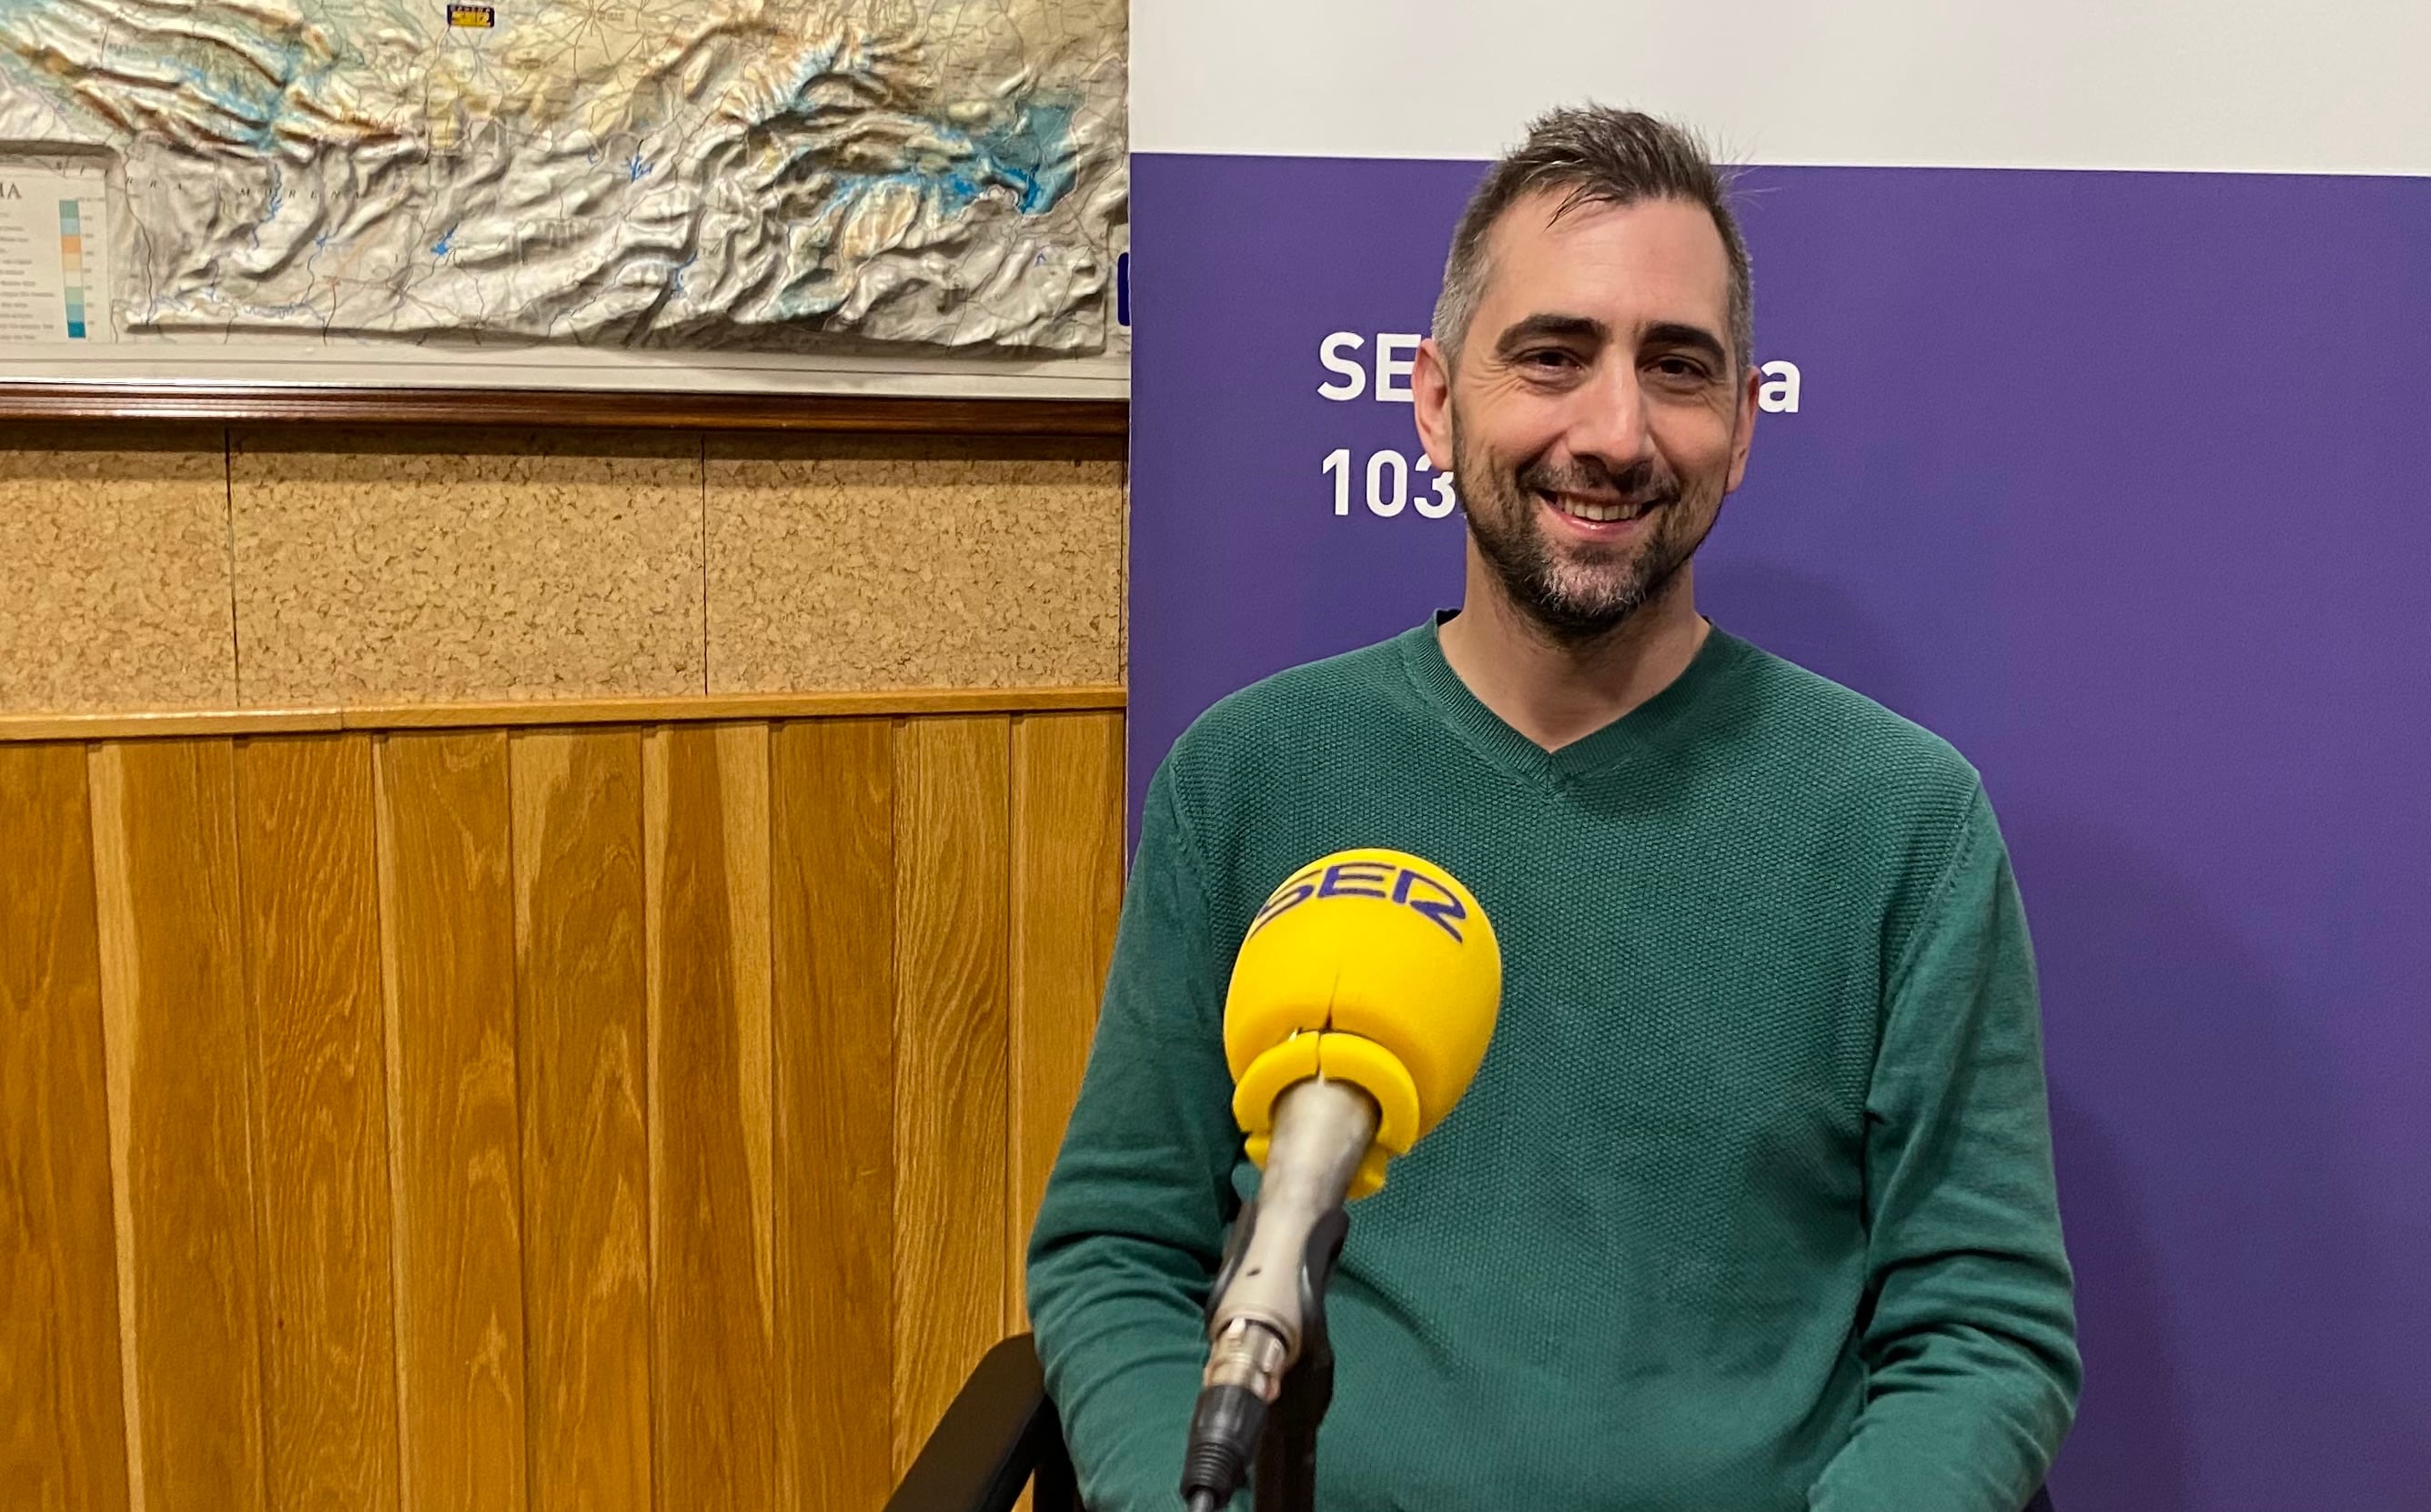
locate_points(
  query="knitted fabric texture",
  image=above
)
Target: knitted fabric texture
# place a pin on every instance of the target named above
(1750, 1207)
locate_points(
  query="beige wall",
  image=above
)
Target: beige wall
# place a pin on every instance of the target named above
(192, 568)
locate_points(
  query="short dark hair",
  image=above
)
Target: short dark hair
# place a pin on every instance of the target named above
(1593, 155)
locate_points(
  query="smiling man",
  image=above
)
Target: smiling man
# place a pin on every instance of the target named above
(1751, 1207)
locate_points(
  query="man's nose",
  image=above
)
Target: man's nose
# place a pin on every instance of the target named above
(1608, 418)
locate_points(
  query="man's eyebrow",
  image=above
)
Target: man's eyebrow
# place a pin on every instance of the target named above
(1695, 338)
(1546, 327)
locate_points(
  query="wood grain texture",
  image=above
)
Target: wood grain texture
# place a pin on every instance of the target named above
(580, 1001)
(694, 708)
(706, 806)
(559, 1119)
(832, 860)
(486, 715)
(449, 952)
(312, 969)
(182, 1165)
(62, 1419)
(1066, 898)
(949, 1063)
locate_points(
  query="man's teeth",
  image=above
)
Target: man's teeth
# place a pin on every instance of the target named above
(1602, 513)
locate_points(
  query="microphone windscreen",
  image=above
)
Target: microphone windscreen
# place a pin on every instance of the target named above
(1372, 967)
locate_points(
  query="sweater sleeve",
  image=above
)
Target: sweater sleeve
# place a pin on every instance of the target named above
(1132, 1229)
(1968, 1335)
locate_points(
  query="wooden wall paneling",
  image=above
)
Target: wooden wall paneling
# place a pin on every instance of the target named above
(689, 707)
(447, 915)
(581, 989)
(63, 1420)
(706, 808)
(1067, 897)
(949, 1063)
(832, 862)
(181, 1160)
(312, 971)
(569, 1119)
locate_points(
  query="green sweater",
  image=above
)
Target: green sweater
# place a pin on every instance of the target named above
(1750, 1207)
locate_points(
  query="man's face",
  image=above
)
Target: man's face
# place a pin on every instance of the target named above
(1597, 418)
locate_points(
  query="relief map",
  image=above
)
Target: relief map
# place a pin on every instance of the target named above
(771, 174)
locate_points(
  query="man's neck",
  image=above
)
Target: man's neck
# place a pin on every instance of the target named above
(1554, 692)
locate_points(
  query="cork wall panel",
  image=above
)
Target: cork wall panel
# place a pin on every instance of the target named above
(447, 565)
(115, 569)
(853, 561)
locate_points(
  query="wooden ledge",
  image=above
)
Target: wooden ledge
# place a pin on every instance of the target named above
(170, 724)
(621, 409)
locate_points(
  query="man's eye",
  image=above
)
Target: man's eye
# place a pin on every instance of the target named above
(1681, 369)
(1550, 357)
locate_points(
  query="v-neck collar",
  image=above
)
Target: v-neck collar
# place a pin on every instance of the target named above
(1657, 724)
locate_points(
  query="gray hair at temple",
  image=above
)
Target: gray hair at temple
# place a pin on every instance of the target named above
(1593, 155)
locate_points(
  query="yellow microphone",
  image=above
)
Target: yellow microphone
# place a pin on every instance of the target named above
(1371, 968)
(1361, 1006)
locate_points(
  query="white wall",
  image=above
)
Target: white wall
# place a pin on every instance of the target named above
(2328, 85)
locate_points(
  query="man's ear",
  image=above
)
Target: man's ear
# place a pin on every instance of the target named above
(1431, 395)
(1743, 433)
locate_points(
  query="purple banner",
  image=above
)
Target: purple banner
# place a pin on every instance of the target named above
(2120, 481)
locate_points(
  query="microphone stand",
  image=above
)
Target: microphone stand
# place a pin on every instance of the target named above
(1269, 1376)
(1285, 1479)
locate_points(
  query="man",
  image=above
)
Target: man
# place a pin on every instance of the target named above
(1751, 1207)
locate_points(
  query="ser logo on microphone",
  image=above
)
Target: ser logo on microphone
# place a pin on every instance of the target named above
(1406, 886)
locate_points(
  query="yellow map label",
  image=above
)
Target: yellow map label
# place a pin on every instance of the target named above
(482, 17)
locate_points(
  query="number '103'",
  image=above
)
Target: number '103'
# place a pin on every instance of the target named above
(1388, 477)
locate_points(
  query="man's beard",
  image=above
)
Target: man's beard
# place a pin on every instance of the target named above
(1585, 595)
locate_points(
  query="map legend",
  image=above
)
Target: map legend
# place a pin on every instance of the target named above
(71, 266)
(55, 254)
